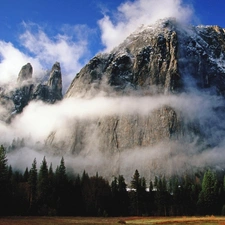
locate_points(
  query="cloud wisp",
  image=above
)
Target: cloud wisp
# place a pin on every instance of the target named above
(131, 15)
(12, 59)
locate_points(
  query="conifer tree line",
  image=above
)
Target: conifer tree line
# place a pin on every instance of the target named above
(49, 192)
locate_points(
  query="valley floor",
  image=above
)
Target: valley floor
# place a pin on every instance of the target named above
(208, 220)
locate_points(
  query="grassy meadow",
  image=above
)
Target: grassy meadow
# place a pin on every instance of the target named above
(210, 220)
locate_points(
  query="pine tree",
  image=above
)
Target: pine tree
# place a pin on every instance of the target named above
(151, 198)
(51, 178)
(123, 196)
(4, 182)
(208, 196)
(85, 178)
(122, 187)
(85, 189)
(33, 175)
(43, 187)
(78, 198)
(3, 166)
(135, 195)
(62, 189)
(114, 186)
(62, 171)
(142, 197)
(135, 182)
(119, 196)
(98, 197)
(26, 175)
(114, 191)
(52, 195)
(10, 173)
(156, 182)
(161, 198)
(151, 186)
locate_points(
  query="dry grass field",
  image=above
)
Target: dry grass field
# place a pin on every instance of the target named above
(210, 220)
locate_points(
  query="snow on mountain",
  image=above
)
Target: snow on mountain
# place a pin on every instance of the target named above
(155, 100)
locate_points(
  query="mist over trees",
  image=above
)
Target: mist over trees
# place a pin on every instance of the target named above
(46, 192)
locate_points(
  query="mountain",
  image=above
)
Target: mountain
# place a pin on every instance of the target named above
(13, 100)
(154, 102)
(159, 55)
(165, 60)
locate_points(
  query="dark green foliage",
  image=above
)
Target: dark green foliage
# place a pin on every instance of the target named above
(44, 190)
(78, 207)
(61, 175)
(49, 193)
(96, 194)
(62, 189)
(138, 195)
(3, 165)
(43, 181)
(4, 182)
(120, 200)
(136, 182)
(208, 197)
(26, 175)
(162, 196)
(32, 181)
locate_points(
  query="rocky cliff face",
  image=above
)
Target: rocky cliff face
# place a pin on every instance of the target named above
(165, 59)
(27, 90)
(114, 133)
(147, 60)
(157, 58)
(52, 91)
(202, 55)
(55, 81)
(156, 101)
(25, 73)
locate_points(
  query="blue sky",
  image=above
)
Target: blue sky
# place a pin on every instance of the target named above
(73, 31)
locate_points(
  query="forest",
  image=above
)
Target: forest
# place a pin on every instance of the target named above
(48, 192)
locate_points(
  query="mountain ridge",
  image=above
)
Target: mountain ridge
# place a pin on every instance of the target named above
(27, 89)
(165, 60)
(162, 88)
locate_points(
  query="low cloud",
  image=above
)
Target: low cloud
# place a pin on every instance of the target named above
(131, 15)
(38, 120)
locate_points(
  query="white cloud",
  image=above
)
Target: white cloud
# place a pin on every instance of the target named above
(38, 120)
(12, 59)
(70, 45)
(61, 47)
(132, 15)
(42, 51)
